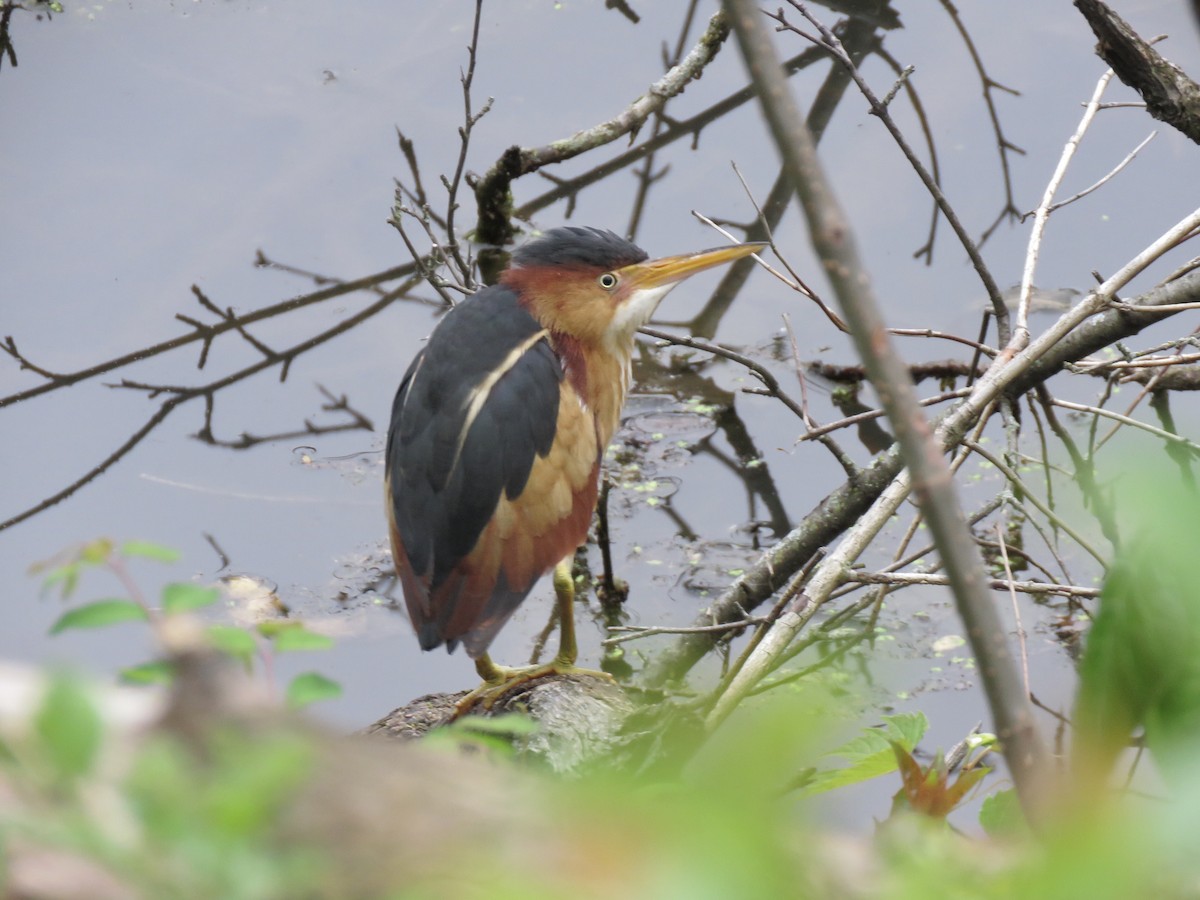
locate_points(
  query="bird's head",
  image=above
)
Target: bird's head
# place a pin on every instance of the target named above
(600, 288)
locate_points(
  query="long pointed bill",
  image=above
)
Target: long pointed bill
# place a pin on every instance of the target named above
(673, 269)
(643, 285)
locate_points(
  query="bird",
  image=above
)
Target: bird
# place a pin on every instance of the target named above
(498, 430)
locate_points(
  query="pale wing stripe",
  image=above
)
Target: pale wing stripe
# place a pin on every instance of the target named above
(412, 381)
(480, 394)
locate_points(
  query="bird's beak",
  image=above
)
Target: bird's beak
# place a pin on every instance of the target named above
(670, 270)
(644, 284)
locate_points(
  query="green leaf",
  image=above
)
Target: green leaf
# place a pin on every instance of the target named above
(98, 614)
(234, 641)
(1001, 816)
(149, 550)
(871, 754)
(157, 672)
(297, 638)
(309, 687)
(69, 727)
(68, 575)
(181, 597)
(866, 768)
(907, 729)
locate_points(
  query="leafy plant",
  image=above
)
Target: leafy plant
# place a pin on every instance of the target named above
(178, 598)
(927, 789)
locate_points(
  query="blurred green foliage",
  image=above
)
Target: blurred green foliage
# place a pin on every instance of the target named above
(1141, 667)
(63, 573)
(211, 827)
(227, 816)
(171, 826)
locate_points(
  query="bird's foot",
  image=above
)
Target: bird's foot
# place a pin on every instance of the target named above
(501, 681)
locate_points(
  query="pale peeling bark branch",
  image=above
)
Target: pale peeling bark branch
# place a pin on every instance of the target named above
(1041, 215)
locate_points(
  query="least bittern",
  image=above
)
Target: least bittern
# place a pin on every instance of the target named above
(498, 430)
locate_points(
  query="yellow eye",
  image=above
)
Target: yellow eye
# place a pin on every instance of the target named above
(608, 281)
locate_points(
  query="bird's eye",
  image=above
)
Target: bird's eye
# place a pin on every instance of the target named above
(608, 281)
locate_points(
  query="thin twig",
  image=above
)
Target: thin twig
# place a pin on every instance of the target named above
(203, 333)
(492, 191)
(1042, 213)
(830, 41)
(767, 377)
(1016, 607)
(183, 395)
(636, 632)
(1037, 588)
(1112, 173)
(1003, 145)
(470, 119)
(1015, 479)
(1126, 420)
(879, 413)
(795, 282)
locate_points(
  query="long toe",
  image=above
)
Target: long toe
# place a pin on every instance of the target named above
(505, 680)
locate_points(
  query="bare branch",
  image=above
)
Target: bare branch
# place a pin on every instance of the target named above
(1003, 144)
(1111, 174)
(1015, 479)
(830, 41)
(795, 282)
(181, 395)
(470, 119)
(492, 192)
(1168, 436)
(636, 632)
(1037, 588)
(930, 476)
(1170, 95)
(203, 333)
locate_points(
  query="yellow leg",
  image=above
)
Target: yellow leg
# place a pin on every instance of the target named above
(489, 671)
(499, 680)
(564, 595)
